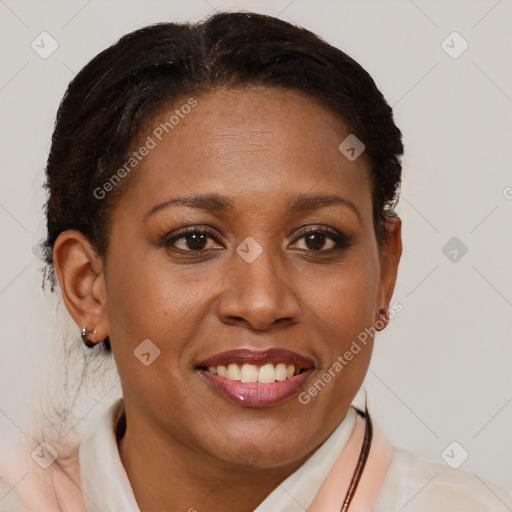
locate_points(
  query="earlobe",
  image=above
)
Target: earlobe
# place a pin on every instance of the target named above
(80, 273)
(391, 251)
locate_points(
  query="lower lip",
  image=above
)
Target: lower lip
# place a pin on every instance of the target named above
(254, 394)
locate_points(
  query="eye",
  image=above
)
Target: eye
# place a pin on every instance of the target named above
(196, 239)
(316, 238)
(191, 240)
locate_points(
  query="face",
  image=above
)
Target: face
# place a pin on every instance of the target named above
(253, 279)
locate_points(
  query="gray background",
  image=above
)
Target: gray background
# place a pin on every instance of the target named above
(441, 371)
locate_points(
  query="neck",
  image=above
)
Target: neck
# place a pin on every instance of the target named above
(178, 477)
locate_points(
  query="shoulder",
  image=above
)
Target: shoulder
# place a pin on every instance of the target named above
(415, 484)
(43, 478)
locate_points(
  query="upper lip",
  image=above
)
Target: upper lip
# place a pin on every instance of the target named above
(259, 358)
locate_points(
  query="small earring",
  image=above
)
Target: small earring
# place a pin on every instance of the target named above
(381, 323)
(85, 339)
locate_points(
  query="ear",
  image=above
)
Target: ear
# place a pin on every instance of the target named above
(390, 253)
(81, 276)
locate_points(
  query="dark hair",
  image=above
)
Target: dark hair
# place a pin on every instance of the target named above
(112, 98)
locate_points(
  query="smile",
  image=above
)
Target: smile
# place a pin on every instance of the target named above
(265, 374)
(257, 379)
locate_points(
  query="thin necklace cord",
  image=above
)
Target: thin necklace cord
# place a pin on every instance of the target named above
(363, 457)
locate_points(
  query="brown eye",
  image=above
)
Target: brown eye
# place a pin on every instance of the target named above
(195, 241)
(316, 239)
(192, 240)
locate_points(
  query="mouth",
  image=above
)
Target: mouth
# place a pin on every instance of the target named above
(257, 378)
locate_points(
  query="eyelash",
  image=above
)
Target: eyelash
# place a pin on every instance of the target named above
(342, 241)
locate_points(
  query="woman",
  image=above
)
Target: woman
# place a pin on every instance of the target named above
(220, 221)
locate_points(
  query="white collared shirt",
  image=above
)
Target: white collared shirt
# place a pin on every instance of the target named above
(412, 484)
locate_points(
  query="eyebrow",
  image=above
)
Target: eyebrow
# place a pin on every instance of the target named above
(217, 203)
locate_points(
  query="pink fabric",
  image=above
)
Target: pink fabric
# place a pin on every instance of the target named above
(52, 490)
(331, 495)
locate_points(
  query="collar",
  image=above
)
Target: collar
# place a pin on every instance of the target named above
(296, 493)
(106, 486)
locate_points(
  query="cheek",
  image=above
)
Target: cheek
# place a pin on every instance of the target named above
(343, 314)
(343, 306)
(349, 292)
(150, 313)
(142, 292)
(149, 299)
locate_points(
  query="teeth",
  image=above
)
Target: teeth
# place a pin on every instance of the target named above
(266, 374)
(249, 373)
(233, 372)
(280, 372)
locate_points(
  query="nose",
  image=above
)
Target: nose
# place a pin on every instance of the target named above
(257, 294)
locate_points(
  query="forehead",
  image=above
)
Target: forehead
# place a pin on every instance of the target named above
(249, 143)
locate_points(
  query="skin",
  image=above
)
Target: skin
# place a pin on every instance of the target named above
(260, 148)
